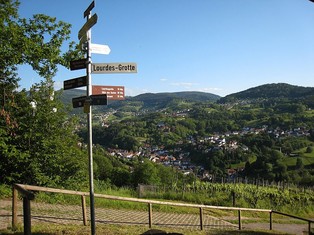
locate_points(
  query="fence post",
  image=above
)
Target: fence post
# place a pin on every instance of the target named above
(310, 227)
(233, 198)
(239, 218)
(201, 218)
(14, 208)
(84, 210)
(270, 220)
(27, 215)
(150, 215)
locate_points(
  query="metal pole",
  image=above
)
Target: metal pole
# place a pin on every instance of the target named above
(90, 139)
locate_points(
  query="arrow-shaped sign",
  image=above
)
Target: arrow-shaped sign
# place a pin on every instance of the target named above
(78, 64)
(89, 8)
(99, 49)
(74, 83)
(90, 23)
(78, 101)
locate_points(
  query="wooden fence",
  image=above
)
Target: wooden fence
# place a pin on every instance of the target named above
(26, 191)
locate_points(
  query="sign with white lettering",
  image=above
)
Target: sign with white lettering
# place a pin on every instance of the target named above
(82, 101)
(112, 92)
(99, 99)
(99, 68)
(78, 64)
(99, 49)
(78, 102)
(90, 23)
(74, 83)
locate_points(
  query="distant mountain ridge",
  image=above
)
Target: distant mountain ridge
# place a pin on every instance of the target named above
(162, 100)
(149, 100)
(271, 91)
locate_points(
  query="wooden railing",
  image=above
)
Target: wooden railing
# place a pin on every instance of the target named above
(26, 192)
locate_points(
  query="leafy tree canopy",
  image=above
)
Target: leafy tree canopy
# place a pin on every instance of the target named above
(37, 143)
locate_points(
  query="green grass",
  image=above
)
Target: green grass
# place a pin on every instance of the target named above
(5, 191)
(248, 217)
(242, 164)
(307, 158)
(309, 113)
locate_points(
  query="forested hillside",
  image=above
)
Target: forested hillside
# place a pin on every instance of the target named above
(266, 138)
(274, 92)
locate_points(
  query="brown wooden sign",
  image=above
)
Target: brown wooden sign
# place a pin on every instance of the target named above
(112, 92)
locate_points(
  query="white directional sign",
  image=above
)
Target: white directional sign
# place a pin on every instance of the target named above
(90, 23)
(99, 68)
(99, 49)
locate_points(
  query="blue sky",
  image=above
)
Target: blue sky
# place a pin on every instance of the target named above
(215, 46)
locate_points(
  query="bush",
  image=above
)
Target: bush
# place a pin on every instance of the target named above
(309, 149)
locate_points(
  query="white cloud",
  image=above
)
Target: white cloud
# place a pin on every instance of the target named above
(186, 85)
(210, 89)
(58, 85)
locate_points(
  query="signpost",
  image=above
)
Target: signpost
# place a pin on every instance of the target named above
(89, 8)
(95, 95)
(74, 83)
(85, 31)
(78, 102)
(86, 27)
(112, 92)
(99, 99)
(100, 68)
(99, 49)
(78, 64)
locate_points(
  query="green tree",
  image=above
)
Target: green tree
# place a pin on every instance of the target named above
(299, 164)
(37, 142)
(121, 177)
(145, 172)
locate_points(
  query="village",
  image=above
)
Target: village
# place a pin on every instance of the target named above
(179, 159)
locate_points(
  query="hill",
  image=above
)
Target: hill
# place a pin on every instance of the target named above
(149, 100)
(271, 91)
(162, 100)
(155, 101)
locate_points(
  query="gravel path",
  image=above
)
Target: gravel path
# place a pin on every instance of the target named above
(65, 214)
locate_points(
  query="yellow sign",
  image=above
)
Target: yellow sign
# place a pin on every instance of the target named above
(86, 107)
